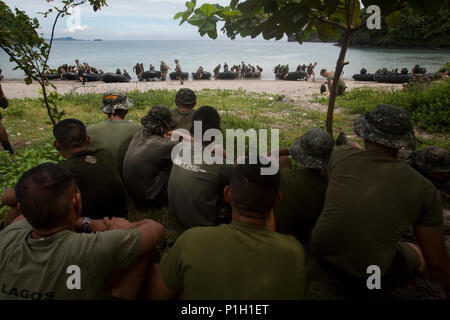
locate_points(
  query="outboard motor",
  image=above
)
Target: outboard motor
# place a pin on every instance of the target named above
(363, 71)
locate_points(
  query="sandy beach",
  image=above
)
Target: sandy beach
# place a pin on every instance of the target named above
(299, 91)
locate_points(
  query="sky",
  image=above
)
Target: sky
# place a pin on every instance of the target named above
(121, 20)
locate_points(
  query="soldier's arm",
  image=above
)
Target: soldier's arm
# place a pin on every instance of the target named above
(432, 244)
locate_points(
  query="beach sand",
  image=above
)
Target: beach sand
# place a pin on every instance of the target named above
(298, 91)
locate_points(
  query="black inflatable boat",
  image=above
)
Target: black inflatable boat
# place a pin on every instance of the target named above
(149, 75)
(91, 77)
(184, 76)
(249, 75)
(293, 76)
(115, 77)
(206, 76)
(228, 75)
(70, 76)
(364, 77)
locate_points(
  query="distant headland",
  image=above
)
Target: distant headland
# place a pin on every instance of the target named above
(73, 39)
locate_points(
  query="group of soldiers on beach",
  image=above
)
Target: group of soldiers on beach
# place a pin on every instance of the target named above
(282, 71)
(241, 70)
(246, 233)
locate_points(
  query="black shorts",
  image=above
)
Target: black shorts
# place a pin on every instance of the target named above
(80, 73)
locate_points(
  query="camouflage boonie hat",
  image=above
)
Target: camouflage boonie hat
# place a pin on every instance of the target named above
(387, 125)
(433, 159)
(186, 97)
(313, 149)
(114, 100)
(158, 120)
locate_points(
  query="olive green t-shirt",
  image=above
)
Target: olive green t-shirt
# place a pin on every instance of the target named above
(102, 190)
(183, 118)
(114, 136)
(234, 262)
(147, 165)
(32, 269)
(371, 202)
(195, 191)
(303, 198)
(341, 85)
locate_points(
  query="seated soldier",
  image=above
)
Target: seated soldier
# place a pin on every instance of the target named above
(434, 164)
(372, 200)
(148, 161)
(104, 194)
(304, 190)
(43, 258)
(196, 190)
(185, 100)
(242, 260)
(114, 134)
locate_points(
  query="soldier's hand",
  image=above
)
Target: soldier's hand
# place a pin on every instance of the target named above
(97, 226)
(118, 224)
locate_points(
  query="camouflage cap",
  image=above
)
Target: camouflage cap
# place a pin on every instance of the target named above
(313, 149)
(433, 159)
(114, 100)
(387, 125)
(186, 97)
(158, 120)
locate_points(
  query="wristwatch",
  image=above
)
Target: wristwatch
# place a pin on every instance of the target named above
(86, 224)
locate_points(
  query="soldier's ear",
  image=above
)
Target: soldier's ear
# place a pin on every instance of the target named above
(57, 145)
(278, 199)
(227, 194)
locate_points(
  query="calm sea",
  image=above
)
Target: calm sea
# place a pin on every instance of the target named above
(110, 55)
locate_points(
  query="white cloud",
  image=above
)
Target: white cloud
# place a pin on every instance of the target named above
(77, 28)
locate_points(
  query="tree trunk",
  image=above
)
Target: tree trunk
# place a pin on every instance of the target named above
(47, 105)
(337, 75)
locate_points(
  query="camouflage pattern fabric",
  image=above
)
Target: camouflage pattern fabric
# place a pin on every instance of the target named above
(313, 149)
(433, 159)
(158, 120)
(114, 100)
(186, 97)
(387, 125)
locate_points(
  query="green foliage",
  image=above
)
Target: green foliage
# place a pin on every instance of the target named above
(11, 168)
(428, 104)
(412, 30)
(20, 39)
(276, 18)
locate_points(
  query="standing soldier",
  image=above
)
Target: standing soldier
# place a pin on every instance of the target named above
(178, 71)
(217, 72)
(164, 68)
(152, 67)
(3, 134)
(200, 72)
(243, 70)
(138, 71)
(225, 67)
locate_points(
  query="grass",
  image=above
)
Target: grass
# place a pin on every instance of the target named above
(27, 123)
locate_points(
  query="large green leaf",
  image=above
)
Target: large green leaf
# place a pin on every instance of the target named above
(325, 31)
(331, 6)
(393, 19)
(250, 7)
(208, 9)
(271, 6)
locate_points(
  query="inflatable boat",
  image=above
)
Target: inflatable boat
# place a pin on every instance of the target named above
(70, 76)
(293, 76)
(184, 76)
(393, 78)
(115, 77)
(206, 76)
(91, 77)
(228, 75)
(249, 75)
(364, 77)
(149, 75)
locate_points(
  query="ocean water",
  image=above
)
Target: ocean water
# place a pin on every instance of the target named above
(110, 55)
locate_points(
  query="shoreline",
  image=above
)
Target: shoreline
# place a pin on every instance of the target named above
(301, 92)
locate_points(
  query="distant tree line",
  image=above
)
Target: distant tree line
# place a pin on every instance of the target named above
(412, 31)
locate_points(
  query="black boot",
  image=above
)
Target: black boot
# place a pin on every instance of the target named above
(7, 147)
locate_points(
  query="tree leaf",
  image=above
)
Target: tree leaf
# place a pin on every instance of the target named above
(208, 9)
(393, 19)
(250, 7)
